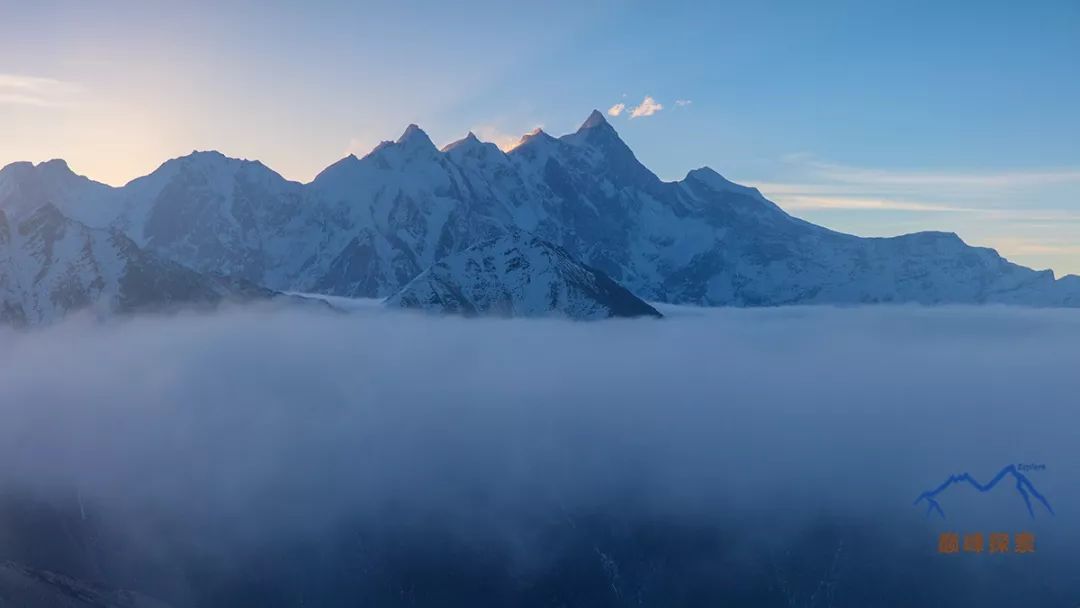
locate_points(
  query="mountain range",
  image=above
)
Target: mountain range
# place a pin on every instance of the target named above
(202, 225)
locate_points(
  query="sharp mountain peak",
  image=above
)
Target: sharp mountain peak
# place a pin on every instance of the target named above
(595, 119)
(414, 136)
(469, 142)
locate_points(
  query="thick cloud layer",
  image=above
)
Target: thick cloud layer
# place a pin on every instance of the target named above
(243, 458)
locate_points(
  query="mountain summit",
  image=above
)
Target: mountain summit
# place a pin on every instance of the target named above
(369, 226)
(595, 119)
(415, 137)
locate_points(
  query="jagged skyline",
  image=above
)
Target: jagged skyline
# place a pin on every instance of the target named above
(961, 132)
(366, 227)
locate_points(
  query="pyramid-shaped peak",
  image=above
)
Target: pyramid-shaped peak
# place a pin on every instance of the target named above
(597, 132)
(595, 119)
(595, 129)
(415, 136)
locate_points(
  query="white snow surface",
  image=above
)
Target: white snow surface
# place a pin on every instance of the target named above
(51, 265)
(518, 275)
(366, 227)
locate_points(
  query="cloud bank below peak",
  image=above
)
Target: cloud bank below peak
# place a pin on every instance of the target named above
(289, 455)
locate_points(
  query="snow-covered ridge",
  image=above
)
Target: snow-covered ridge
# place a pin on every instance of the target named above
(51, 265)
(518, 275)
(368, 226)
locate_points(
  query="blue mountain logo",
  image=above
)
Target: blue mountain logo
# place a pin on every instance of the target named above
(1023, 486)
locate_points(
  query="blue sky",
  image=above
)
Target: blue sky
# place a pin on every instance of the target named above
(874, 118)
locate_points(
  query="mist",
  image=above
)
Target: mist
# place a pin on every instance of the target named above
(271, 457)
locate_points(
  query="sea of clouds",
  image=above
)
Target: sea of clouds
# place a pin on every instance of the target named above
(256, 456)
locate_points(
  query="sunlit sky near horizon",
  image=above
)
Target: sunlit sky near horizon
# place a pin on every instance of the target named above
(873, 118)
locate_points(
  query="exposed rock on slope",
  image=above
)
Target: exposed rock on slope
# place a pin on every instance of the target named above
(519, 274)
(51, 265)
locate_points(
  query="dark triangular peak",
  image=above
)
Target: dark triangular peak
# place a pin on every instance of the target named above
(415, 138)
(595, 119)
(607, 151)
(595, 131)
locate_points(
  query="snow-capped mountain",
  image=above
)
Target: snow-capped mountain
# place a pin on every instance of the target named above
(404, 206)
(368, 226)
(51, 265)
(518, 275)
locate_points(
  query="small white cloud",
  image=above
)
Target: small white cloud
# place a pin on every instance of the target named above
(616, 109)
(682, 103)
(648, 107)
